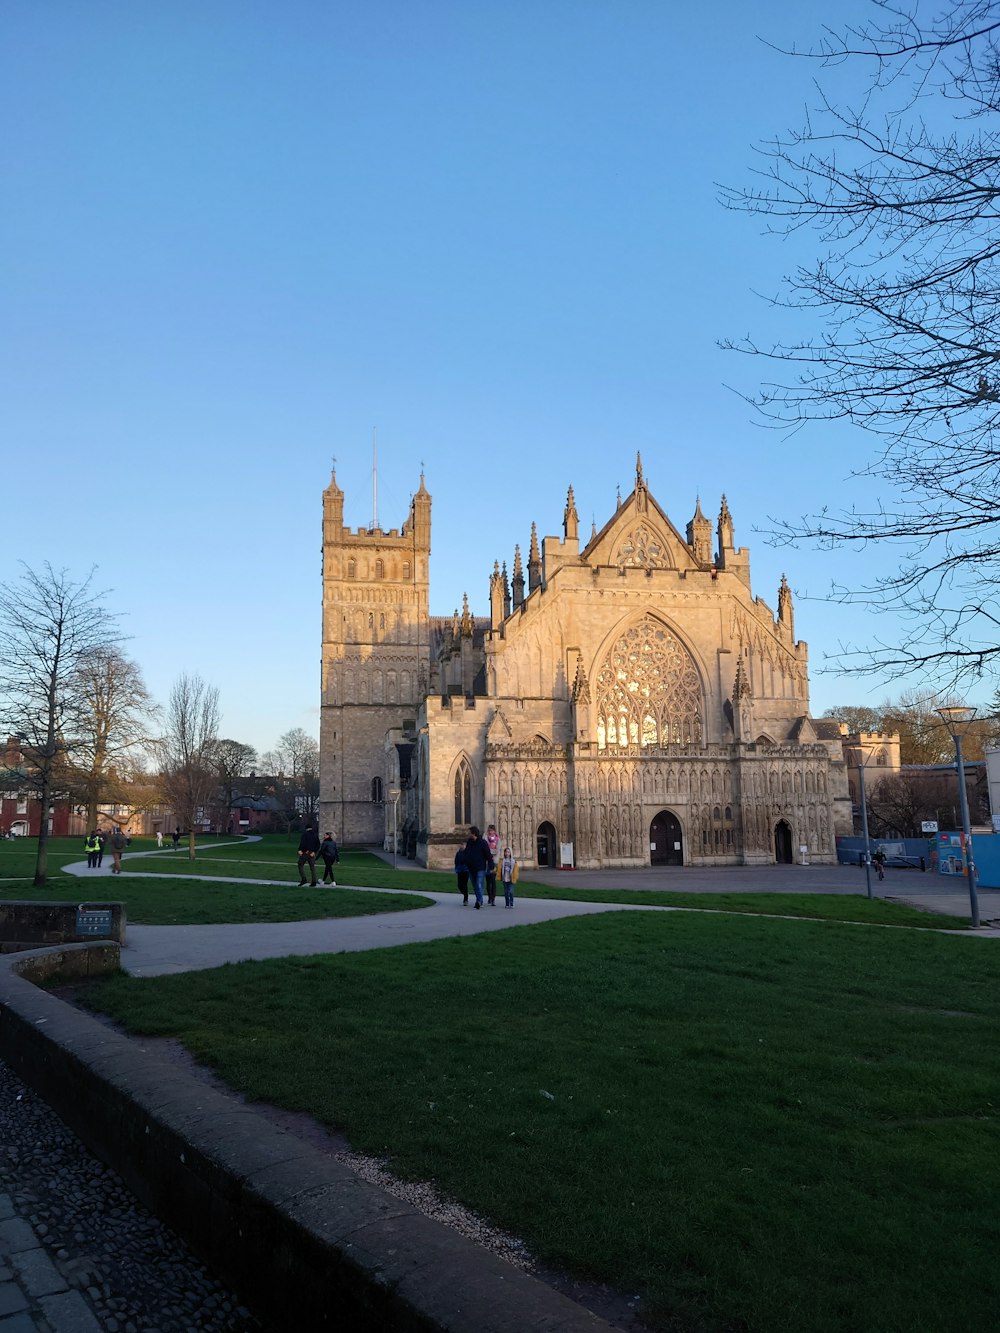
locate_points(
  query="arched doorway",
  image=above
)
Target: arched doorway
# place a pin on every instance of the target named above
(783, 844)
(545, 839)
(666, 844)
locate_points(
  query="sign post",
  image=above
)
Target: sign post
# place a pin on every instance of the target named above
(394, 798)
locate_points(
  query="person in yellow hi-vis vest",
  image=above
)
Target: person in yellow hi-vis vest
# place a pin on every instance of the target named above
(92, 846)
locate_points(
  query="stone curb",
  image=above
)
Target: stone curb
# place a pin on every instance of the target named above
(301, 1238)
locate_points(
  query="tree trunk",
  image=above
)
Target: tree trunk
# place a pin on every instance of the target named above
(42, 859)
(191, 852)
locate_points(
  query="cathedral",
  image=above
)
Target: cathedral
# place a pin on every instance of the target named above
(625, 703)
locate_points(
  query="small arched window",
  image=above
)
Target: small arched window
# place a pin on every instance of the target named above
(371, 620)
(463, 794)
(379, 569)
(376, 789)
(352, 569)
(406, 569)
(881, 759)
(381, 622)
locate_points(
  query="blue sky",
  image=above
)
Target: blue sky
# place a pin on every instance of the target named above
(237, 236)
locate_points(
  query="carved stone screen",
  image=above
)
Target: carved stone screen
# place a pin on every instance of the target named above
(648, 692)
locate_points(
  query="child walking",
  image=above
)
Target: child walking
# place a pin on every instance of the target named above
(508, 874)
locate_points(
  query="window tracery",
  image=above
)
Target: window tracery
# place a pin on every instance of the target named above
(642, 549)
(648, 691)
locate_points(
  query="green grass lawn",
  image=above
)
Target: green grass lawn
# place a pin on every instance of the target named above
(18, 855)
(197, 902)
(275, 858)
(828, 906)
(187, 900)
(757, 1124)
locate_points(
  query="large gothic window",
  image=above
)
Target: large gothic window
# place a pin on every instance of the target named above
(648, 692)
(463, 793)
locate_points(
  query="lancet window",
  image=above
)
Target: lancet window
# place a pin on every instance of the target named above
(463, 793)
(648, 692)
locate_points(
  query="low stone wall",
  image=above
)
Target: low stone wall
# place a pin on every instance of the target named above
(303, 1240)
(28, 925)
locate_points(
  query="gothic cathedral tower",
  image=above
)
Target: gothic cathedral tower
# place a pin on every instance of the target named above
(376, 657)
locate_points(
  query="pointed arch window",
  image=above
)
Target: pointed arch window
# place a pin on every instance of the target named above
(463, 793)
(648, 691)
(380, 569)
(406, 569)
(352, 569)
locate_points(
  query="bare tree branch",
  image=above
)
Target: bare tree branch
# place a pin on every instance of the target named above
(903, 193)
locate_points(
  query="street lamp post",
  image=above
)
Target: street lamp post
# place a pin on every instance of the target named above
(394, 798)
(864, 821)
(958, 721)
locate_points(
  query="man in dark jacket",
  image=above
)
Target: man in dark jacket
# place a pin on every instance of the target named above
(308, 848)
(330, 854)
(117, 847)
(479, 859)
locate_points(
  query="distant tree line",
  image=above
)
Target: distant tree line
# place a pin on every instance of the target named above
(78, 724)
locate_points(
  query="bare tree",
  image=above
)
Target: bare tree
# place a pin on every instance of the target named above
(903, 308)
(898, 804)
(187, 748)
(115, 723)
(294, 767)
(233, 761)
(49, 625)
(923, 737)
(302, 753)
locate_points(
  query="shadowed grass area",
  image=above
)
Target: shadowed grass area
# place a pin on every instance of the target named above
(18, 856)
(197, 902)
(274, 858)
(827, 906)
(759, 1125)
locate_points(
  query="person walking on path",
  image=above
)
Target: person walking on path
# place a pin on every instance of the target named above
(92, 847)
(117, 847)
(159, 837)
(479, 860)
(493, 843)
(508, 869)
(878, 856)
(308, 850)
(329, 852)
(176, 838)
(102, 838)
(462, 874)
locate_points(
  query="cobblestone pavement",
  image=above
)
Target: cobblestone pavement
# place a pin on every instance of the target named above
(78, 1253)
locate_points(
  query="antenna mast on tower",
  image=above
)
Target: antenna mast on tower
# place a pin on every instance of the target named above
(374, 485)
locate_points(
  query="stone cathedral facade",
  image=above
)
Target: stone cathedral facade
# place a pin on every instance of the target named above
(626, 702)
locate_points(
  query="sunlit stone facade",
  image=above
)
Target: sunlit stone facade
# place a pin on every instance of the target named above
(627, 703)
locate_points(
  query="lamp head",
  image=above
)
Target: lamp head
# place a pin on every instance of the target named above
(957, 718)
